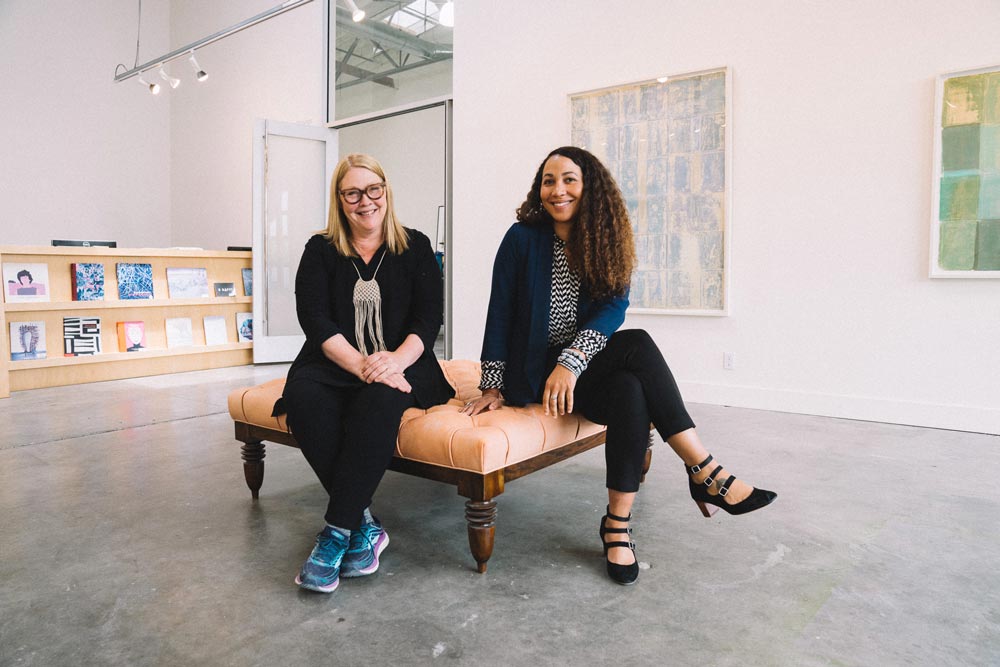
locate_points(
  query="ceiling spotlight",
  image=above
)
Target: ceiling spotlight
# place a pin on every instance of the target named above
(358, 15)
(447, 15)
(154, 88)
(169, 79)
(200, 74)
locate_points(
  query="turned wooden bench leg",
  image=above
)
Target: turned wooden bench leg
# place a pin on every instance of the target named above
(253, 466)
(481, 516)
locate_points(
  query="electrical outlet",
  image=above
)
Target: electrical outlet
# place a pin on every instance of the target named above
(728, 360)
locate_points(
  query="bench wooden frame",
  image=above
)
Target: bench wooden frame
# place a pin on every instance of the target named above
(480, 489)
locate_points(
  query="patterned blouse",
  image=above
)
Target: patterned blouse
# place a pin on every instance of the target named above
(578, 346)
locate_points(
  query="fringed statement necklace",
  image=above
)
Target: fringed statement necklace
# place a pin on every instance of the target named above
(368, 310)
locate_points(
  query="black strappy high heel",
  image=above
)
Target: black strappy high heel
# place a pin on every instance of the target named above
(699, 492)
(620, 574)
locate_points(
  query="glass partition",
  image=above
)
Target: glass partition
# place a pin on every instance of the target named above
(396, 54)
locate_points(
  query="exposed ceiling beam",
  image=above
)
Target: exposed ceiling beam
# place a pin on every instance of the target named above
(360, 73)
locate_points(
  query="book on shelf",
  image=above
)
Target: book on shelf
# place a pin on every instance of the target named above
(179, 332)
(248, 282)
(25, 282)
(215, 330)
(131, 336)
(81, 336)
(88, 281)
(135, 281)
(244, 327)
(27, 340)
(225, 289)
(187, 283)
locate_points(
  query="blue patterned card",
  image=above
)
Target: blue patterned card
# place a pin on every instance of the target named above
(88, 282)
(135, 281)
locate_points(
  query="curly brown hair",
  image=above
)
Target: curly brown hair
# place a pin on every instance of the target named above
(601, 248)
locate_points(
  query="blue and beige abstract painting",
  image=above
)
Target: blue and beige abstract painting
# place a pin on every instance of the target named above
(969, 187)
(665, 144)
(135, 281)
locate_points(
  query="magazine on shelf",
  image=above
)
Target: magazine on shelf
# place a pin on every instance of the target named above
(81, 336)
(27, 340)
(135, 281)
(131, 336)
(187, 283)
(215, 330)
(88, 281)
(179, 332)
(25, 282)
(244, 327)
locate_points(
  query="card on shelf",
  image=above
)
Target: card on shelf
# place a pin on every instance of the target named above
(225, 289)
(27, 340)
(215, 330)
(187, 283)
(81, 336)
(248, 282)
(244, 327)
(179, 332)
(135, 281)
(88, 281)
(25, 282)
(131, 336)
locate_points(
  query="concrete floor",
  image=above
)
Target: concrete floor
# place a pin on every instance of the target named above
(128, 537)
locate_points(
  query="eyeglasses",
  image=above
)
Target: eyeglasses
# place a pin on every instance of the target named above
(374, 191)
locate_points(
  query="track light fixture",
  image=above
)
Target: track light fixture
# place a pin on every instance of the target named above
(154, 88)
(200, 74)
(174, 82)
(357, 14)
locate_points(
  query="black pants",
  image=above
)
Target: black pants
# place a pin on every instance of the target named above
(625, 387)
(348, 436)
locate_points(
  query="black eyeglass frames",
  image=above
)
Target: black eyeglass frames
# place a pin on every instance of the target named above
(374, 191)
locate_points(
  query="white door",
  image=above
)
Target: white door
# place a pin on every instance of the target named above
(292, 168)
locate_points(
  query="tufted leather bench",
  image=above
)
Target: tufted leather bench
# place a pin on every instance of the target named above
(476, 454)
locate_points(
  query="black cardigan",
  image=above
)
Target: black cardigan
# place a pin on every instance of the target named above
(412, 302)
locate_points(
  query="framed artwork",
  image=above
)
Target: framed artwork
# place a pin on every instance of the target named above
(25, 282)
(965, 224)
(666, 142)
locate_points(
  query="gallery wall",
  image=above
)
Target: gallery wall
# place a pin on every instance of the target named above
(83, 157)
(832, 310)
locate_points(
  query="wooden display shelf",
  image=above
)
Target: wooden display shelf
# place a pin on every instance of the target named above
(59, 370)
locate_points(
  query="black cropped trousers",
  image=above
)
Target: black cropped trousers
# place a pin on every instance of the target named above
(627, 386)
(348, 436)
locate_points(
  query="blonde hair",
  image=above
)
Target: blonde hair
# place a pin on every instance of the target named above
(338, 230)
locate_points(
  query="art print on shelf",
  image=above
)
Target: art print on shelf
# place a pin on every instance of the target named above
(81, 336)
(225, 289)
(215, 330)
(25, 282)
(27, 340)
(248, 282)
(965, 229)
(244, 327)
(667, 144)
(179, 332)
(135, 281)
(187, 283)
(88, 281)
(131, 336)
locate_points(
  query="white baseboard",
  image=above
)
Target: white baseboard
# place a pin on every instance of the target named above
(954, 417)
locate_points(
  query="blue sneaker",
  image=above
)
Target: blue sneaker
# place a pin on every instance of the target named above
(321, 571)
(367, 543)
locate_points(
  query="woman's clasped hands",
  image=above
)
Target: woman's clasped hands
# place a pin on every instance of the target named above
(385, 368)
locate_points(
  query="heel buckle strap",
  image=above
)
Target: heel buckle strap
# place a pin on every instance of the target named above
(724, 488)
(710, 480)
(615, 517)
(698, 467)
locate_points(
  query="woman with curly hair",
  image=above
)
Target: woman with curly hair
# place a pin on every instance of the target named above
(560, 290)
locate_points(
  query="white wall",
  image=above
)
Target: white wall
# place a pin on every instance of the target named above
(272, 70)
(83, 157)
(833, 312)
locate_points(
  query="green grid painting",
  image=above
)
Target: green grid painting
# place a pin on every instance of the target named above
(969, 173)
